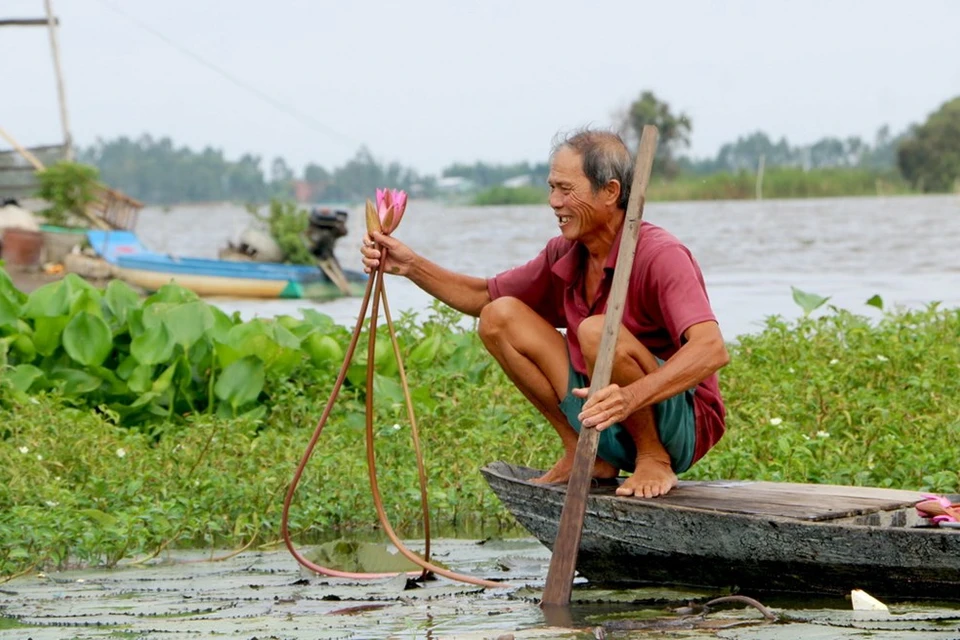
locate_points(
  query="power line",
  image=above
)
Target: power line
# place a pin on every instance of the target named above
(291, 111)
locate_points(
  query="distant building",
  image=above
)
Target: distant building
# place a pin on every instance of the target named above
(455, 185)
(524, 180)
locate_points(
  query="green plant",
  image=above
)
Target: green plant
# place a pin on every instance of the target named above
(69, 188)
(287, 224)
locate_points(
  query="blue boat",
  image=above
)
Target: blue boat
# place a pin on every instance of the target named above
(149, 270)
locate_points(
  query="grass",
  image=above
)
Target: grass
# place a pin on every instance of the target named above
(832, 399)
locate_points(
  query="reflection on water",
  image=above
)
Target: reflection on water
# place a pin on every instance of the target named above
(903, 248)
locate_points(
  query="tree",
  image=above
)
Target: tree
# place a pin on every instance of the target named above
(930, 158)
(674, 129)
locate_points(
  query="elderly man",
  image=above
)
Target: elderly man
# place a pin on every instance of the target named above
(663, 410)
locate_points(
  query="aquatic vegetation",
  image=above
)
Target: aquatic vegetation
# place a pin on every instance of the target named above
(832, 397)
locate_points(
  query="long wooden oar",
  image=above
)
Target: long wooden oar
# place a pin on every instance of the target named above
(563, 562)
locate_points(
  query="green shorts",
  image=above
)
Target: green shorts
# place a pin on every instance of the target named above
(675, 425)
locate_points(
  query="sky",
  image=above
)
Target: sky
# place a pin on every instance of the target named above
(431, 82)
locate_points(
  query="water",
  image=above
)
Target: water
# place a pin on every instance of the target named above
(751, 253)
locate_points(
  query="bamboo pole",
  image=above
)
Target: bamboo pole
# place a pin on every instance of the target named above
(61, 94)
(29, 157)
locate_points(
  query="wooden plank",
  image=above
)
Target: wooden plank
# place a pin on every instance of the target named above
(765, 499)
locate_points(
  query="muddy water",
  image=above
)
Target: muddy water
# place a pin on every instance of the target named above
(265, 595)
(902, 248)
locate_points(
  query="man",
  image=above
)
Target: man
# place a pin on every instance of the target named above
(663, 410)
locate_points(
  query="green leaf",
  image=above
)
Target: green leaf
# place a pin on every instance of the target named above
(226, 355)
(222, 323)
(322, 349)
(165, 379)
(24, 346)
(809, 302)
(101, 518)
(120, 299)
(153, 346)
(75, 381)
(172, 294)
(10, 310)
(49, 301)
(424, 353)
(876, 301)
(241, 382)
(387, 388)
(285, 338)
(87, 339)
(47, 332)
(321, 321)
(141, 379)
(23, 376)
(88, 301)
(187, 323)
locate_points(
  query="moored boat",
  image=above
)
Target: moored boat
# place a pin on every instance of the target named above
(149, 270)
(756, 537)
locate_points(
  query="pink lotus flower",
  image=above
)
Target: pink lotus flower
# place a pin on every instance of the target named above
(391, 204)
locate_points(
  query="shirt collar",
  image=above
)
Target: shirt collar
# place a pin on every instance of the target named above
(569, 266)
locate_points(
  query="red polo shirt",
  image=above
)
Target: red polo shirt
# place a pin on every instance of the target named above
(666, 297)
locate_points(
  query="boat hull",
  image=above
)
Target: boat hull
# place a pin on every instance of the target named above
(879, 547)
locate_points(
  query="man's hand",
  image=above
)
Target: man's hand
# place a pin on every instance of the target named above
(606, 407)
(400, 257)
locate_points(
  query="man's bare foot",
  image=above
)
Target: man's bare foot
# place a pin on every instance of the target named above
(652, 477)
(561, 471)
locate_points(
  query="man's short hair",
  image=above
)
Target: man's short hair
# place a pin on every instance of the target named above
(605, 158)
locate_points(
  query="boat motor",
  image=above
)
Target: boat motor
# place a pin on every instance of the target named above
(325, 227)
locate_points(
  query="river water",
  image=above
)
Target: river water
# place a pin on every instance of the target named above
(903, 248)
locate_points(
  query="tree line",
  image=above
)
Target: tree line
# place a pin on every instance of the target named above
(157, 171)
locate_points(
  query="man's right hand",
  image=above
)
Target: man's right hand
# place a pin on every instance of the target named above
(400, 257)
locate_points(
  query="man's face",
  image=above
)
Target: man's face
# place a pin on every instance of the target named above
(578, 209)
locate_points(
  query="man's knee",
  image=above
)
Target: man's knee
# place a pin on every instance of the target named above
(495, 317)
(590, 333)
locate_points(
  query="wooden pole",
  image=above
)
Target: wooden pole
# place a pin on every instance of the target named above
(61, 94)
(760, 176)
(563, 562)
(29, 157)
(27, 22)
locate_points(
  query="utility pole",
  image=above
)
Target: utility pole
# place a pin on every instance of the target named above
(61, 94)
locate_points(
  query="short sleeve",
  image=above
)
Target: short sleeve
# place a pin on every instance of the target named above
(535, 285)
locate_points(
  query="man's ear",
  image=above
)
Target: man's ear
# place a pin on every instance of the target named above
(611, 192)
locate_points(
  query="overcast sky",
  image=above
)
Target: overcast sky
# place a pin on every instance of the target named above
(430, 82)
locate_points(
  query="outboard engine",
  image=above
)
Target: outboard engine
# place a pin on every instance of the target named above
(325, 227)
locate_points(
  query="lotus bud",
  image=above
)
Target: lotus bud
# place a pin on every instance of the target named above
(373, 220)
(391, 203)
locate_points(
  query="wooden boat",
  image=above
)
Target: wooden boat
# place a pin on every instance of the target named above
(148, 270)
(754, 537)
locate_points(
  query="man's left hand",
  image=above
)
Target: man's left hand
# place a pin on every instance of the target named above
(606, 407)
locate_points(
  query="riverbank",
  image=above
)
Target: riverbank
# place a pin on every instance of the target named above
(775, 183)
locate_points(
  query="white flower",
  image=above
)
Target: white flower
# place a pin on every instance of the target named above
(51, 503)
(834, 361)
(396, 427)
(882, 358)
(823, 434)
(121, 452)
(791, 370)
(39, 457)
(24, 449)
(776, 421)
